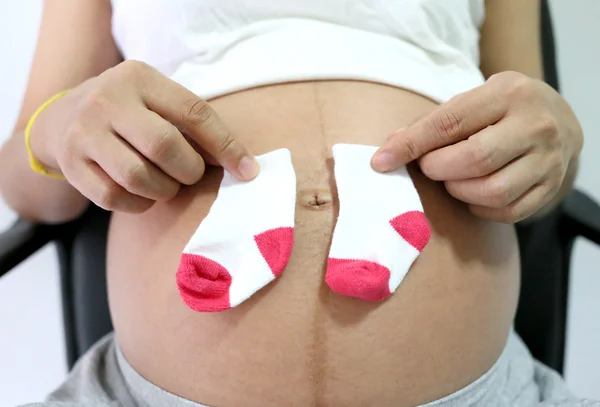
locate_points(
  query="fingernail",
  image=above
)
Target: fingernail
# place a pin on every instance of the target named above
(248, 168)
(383, 161)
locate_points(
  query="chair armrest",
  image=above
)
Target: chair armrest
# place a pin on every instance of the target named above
(21, 240)
(582, 216)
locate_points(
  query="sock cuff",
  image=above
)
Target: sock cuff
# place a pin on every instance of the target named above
(353, 158)
(276, 162)
(274, 165)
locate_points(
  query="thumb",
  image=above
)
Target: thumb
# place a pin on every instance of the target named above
(400, 148)
(451, 122)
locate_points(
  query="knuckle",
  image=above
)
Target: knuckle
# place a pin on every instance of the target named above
(497, 78)
(137, 205)
(74, 131)
(133, 175)
(521, 87)
(501, 216)
(170, 191)
(557, 165)
(162, 146)
(496, 193)
(553, 188)
(131, 72)
(95, 100)
(131, 68)
(548, 188)
(546, 125)
(107, 196)
(447, 126)
(76, 139)
(197, 173)
(506, 76)
(197, 112)
(226, 144)
(408, 144)
(481, 158)
(514, 214)
(454, 189)
(429, 169)
(66, 159)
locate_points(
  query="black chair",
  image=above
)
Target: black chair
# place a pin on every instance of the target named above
(545, 255)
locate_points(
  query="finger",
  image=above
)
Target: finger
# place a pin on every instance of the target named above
(449, 123)
(501, 188)
(130, 169)
(198, 119)
(208, 159)
(481, 154)
(98, 187)
(526, 205)
(162, 143)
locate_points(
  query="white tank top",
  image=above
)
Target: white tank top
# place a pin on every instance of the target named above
(214, 47)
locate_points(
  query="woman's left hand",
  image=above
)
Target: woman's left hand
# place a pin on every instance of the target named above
(504, 147)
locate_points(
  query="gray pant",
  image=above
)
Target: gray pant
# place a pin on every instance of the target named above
(104, 378)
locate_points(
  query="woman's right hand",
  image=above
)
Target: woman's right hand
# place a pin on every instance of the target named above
(131, 137)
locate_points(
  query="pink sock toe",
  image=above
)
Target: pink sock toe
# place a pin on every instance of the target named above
(203, 283)
(358, 278)
(413, 227)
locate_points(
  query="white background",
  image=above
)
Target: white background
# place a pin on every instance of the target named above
(31, 342)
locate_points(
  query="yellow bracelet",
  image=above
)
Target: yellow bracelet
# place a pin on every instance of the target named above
(33, 162)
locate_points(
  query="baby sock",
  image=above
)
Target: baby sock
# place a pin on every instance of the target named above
(246, 239)
(381, 228)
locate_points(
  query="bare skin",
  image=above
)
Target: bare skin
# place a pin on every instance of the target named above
(295, 342)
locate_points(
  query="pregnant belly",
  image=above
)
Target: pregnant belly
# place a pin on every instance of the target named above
(297, 343)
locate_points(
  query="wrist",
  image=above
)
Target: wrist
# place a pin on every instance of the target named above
(41, 138)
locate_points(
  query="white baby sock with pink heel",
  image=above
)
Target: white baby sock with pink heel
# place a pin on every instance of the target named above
(246, 239)
(381, 228)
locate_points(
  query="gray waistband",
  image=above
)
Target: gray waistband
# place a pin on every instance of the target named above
(504, 384)
(103, 377)
(145, 393)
